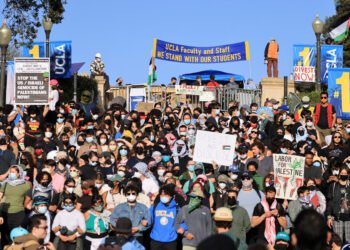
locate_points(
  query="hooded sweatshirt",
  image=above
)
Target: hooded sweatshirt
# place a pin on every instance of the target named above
(163, 219)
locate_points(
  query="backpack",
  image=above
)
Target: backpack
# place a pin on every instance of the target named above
(21, 246)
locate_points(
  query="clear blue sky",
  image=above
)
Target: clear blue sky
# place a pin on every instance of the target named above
(123, 32)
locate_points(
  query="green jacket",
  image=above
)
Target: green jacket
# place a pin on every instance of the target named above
(241, 222)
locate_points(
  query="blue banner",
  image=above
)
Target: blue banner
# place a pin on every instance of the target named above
(60, 57)
(331, 57)
(304, 55)
(188, 54)
(339, 91)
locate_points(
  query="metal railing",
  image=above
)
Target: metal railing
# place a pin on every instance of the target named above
(166, 95)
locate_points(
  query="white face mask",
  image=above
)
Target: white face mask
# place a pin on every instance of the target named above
(98, 186)
(275, 106)
(222, 185)
(103, 141)
(161, 172)
(70, 190)
(48, 134)
(335, 172)
(310, 124)
(121, 173)
(234, 177)
(137, 175)
(243, 156)
(95, 117)
(131, 197)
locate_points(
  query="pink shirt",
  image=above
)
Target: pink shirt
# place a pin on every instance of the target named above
(58, 182)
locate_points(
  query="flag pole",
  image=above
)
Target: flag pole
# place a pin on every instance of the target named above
(152, 65)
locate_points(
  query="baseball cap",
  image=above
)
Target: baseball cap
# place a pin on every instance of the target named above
(197, 193)
(223, 214)
(233, 169)
(305, 100)
(40, 200)
(282, 236)
(53, 82)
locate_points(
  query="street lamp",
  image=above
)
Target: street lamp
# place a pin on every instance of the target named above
(47, 24)
(5, 38)
(317, 26)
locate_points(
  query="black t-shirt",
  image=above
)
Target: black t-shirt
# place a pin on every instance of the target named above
(258, 211)
(7, 158)
(323, 122)
(86, 202)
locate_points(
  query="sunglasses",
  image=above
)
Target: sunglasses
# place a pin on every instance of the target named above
(246, 178)
(324, 97)
(337, 137)
(253, 132)
(131, 193)
(86, 95)
(71, 186)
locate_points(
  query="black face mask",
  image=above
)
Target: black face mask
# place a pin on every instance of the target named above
(231, 201)
(176, 173)
(108, 122)
(45, 184)
(198, 171)
(280, 247)
(252, 173)
(65, 142)
(312, 188)
(301, 132)
(24, 162)
(254, 119)
(280, 136)
(66, 130)
(139, 150)
(179, 149)
(270, 200)
(80, 143)
(343, 177)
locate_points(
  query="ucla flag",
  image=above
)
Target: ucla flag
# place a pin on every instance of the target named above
(339, 91)
(331, 57)
(60, 57)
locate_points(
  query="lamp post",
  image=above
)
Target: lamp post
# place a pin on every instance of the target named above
(317, 26)
(5, 38)
(47, 24)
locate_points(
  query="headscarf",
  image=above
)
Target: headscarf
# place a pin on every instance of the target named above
(20, 180)
(182, 153)
(143, 169)
(39, 189)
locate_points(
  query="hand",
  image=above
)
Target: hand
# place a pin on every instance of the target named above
(189, 236)
(215, 164)
(135, 230)
(63, 238)
(330, 223)
(56, 229)
(312, 137)
(144, 223)
(347, 159)
(180, 230)
(50, 246)
(274, 212)
(268, 214)
(1, 220)
(71, 237)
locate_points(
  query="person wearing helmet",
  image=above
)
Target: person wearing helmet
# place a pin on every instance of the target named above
(17, 232)
(97, 66)
(40, 206)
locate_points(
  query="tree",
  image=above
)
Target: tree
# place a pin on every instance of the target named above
(24, 17)
(343, 14)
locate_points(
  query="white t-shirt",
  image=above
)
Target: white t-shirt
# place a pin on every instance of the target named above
(54, 96)
(69, 219)
(149, 186)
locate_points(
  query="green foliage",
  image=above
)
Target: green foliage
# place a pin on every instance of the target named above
(83, 83)
(314, 96)
(24, 17)
(343, 14)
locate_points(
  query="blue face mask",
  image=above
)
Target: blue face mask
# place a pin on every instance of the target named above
(164, 199)
(68, 208)
(42, 210)
(123, 152)
(166, 158)
(187, 122)
(283, 150)
(151, 138)
(217, 111)
(190, 168)
(194, 121)
(12, 176)
(316, 164)
(90, 127)
(74, 111)
(60, 120)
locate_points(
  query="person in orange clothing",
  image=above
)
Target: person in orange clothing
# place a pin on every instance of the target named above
(212, 82)
(271, 57)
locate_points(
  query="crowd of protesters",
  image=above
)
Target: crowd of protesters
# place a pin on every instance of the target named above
(72, 179)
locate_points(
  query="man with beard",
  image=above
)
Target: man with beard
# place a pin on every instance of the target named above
(268, 217)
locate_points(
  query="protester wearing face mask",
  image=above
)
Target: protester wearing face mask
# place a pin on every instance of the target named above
(34, 125)
(338, 205)
(241, 220)
(69, 224)
(303, 202)
(89, 140)
(138, 213)
(202, 118)
(40, 206)
(103, 141)
(316, 197)
(161, 169)
(252, 167)
(43, 186)
(16, 190)
(198, 171)
(249, 195)
(97, 224)
(48, 141)
(114, 196)
(140, 156)
(268, 217)
(163, 214)
(219, 197)
(101, 187)
(194, 220)
(234, 173)
(149, 183)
